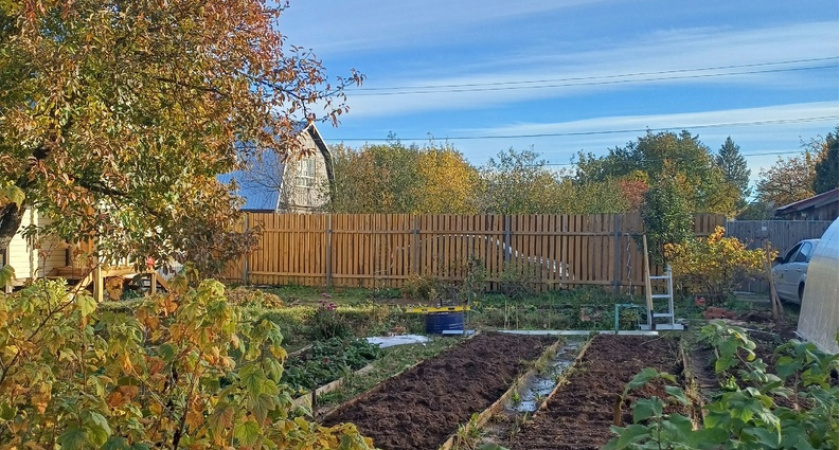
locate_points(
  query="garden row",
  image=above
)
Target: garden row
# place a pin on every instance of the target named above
(579, 414)
(423, 406)
(622, 390)
(426, 405)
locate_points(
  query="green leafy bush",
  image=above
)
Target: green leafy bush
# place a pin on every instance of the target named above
(519, 280)
(426, 288)
(328, 323)
(181, 370)
(794, 406)
(327, 361)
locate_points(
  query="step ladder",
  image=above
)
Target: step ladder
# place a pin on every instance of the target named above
(655, 304)
(654, 310)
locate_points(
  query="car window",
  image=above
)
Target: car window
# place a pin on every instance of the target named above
(789, 256)
(804, 253)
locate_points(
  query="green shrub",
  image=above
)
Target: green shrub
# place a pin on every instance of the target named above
(327, 361)
(519, 280)
(327, 323)
(425, 288)
(243, 296)
(75, 377)
(747, 412)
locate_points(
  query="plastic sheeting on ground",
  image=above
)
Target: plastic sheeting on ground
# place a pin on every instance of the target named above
(390, 341)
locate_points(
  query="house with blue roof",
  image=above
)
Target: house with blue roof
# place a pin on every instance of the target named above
(300, 185)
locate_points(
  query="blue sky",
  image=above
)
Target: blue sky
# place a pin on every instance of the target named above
(565, 76)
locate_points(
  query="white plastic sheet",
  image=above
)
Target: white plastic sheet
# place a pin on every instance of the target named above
(818, 317)
(390, 341)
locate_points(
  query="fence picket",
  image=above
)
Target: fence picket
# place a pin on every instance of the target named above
(386, 250)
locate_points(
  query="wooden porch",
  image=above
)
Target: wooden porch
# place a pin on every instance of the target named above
(106, 282)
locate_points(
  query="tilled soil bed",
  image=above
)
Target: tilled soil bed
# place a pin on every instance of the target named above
(420, 408)
(579, 414)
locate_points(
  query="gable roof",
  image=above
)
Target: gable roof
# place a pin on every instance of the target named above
(808, 203)
(260, 197)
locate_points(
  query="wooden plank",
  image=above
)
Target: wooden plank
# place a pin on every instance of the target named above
(563, 380)
(385, 247)
(648, 292)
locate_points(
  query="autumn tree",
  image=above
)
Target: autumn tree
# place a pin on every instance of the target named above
(827, 168)
(666, 213)
(633, 191)
(788, 180)
(730, 160)
(450, 183)
(375, 179)
(705, 186)
(605, 197)
(756, 210)
(116, 117)
(401, 179)
(518, 182)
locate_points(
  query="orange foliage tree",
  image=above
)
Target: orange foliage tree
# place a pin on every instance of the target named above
(116, 117)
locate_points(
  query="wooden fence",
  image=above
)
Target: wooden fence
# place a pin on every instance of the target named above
(782, 235)
(385, 250)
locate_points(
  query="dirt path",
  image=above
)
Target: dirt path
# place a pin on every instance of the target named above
(422, 407)
(579, 415)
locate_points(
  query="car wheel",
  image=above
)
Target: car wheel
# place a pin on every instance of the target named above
(801, 291)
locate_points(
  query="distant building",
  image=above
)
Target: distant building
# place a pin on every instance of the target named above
(819, 207)
(301, 185)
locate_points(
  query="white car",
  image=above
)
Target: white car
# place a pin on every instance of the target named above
(791, 270)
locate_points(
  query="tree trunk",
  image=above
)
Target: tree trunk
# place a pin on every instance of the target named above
(11, 217)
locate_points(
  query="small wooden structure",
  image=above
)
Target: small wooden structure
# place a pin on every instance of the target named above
(819, 207)
(54, 259)
(98, 277)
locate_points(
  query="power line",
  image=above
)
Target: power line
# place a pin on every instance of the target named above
(745, 155)
(552, 80)
(597, 132)
(585, 81)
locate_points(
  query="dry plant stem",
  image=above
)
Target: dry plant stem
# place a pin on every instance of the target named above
(617, 411)
(774, 298)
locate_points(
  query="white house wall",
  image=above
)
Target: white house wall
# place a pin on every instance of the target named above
(19, 252)
(818, 317)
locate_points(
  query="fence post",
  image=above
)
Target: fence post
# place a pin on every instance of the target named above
(617, 256)
(328, 239)
(247, 256)
(506, 249)
(415, 245)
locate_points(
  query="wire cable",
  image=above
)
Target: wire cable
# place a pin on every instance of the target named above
(586, 81)
(597, 132)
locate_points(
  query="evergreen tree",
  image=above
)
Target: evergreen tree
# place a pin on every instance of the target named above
(734, 166)
(827, 166)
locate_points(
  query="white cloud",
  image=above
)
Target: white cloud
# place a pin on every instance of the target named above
(578, 72)
(378, 25)
(780, 115)
(782, 131)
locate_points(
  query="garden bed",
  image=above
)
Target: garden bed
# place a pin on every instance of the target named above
(327, 361)
(423, 406)
(579, 413)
